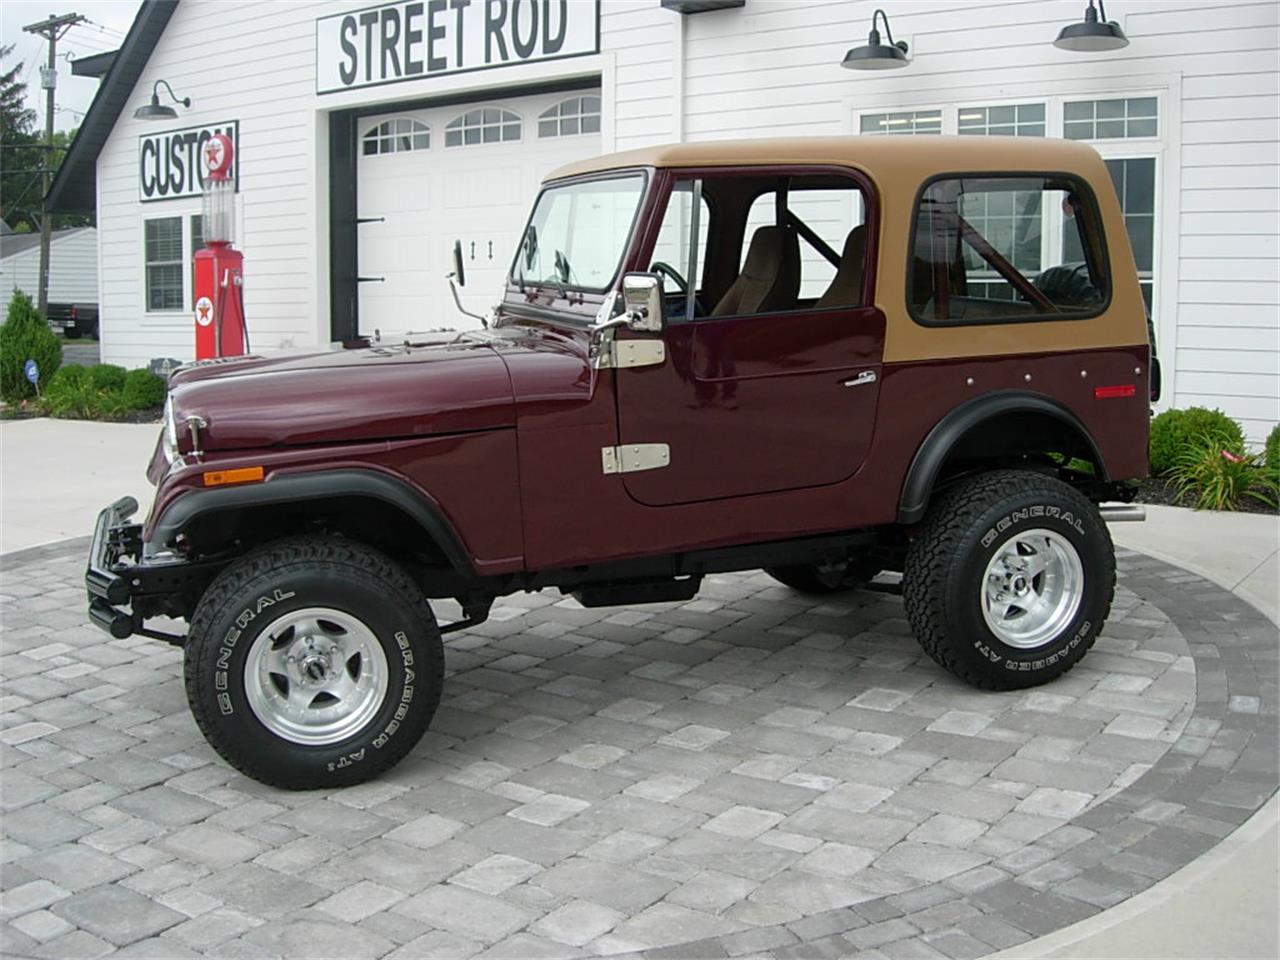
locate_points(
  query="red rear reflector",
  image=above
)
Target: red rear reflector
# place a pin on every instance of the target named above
(216, 478)
(1112, 393)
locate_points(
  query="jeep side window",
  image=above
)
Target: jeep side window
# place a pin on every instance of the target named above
(766, 243)
(670, 259)
(828, 220)
(996, 249)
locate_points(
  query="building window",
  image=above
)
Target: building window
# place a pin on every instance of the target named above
(163, 241)
(397, 136)
(1022, 120)
(1109, 119)
(986, 251)
(570, 117)
(1135, 182)
(486, 125)
(909, 121)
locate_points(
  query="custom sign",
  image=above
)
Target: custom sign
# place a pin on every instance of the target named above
(204, 311)
(407, 41)
(175, 163)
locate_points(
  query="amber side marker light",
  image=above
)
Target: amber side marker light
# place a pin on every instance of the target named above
(218, 478)
(1106, 393)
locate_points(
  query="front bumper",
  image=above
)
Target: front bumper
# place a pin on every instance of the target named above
(125, 586)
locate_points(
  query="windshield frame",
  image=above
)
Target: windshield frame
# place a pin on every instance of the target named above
(561, 290)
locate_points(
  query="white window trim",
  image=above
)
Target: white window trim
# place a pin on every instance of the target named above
(1166, 147)
(184, 216)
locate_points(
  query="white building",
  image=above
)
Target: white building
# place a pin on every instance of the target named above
(370, 137)
(73, 266)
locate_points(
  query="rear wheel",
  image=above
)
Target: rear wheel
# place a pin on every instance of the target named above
(824, 578)
(313, 663)
(1009, 579)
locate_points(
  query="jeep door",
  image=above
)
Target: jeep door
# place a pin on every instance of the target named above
(771, 372)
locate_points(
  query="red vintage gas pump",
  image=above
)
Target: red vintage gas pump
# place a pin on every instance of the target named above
(219, 270)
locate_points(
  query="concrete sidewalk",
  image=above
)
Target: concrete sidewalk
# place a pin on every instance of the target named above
(58, 474)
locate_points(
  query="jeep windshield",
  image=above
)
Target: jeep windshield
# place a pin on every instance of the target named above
(578, 233)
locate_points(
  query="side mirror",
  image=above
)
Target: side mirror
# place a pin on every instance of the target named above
(643, 303)
(459, 273)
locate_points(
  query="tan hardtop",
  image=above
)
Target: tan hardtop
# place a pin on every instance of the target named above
(877, 155)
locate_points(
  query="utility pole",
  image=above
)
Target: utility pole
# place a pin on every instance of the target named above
(52, 30)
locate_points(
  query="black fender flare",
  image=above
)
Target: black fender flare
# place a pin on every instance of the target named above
(320, 485)
(948, 431)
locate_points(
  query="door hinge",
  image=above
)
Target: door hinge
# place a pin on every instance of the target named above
(634, 457)
(629, 353)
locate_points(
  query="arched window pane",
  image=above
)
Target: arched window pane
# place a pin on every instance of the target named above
(570, 117)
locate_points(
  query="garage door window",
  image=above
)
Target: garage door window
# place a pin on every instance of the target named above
(570, 117)
(486, 125)
(164, 264)
(397, 136)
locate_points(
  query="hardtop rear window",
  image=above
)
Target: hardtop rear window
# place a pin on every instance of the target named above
(1006, 248)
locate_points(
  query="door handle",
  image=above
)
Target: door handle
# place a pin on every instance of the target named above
(865, 377)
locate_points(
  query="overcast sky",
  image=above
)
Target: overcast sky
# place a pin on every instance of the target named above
(109, 21)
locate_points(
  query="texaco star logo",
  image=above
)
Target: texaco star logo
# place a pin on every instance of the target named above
(213, 154)
(204, 311)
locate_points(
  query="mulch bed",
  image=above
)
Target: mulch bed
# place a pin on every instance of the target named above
(1155, 490)
(32, 412)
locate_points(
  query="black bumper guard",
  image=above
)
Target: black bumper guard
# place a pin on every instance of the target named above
(113, 583)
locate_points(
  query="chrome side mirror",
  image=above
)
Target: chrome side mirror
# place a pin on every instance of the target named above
(459, 272)
(642, 302)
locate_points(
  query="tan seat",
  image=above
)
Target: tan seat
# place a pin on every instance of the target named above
(770, 277)
(846, 286)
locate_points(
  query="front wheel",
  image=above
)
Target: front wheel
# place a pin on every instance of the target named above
(313, 663)
(1009, 579)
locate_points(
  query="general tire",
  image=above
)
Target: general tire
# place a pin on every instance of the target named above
(376, 615)
(969, 538)
(822, 579)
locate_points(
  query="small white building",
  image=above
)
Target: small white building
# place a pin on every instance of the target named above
(370, 136)
(73, 266)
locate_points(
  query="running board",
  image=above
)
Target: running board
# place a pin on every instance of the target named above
(1119, 513)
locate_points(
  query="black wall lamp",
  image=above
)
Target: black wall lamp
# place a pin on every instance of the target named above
(1093, 35)
(875, 55)
(154, 110)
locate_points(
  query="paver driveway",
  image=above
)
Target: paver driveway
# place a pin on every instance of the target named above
(750, 771)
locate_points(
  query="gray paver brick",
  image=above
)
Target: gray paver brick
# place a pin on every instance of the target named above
(116, 914)
(475, 916)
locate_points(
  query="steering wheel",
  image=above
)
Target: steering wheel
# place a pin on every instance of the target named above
(660, 267)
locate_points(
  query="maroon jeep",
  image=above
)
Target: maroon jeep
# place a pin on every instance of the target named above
(826, 358)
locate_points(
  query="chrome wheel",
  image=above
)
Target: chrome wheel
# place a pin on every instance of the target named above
(316, 676)
(1032, 588)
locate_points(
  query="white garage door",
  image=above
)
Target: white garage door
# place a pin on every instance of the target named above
(468, 173)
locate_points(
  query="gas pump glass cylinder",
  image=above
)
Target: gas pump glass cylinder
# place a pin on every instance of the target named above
(219, 210)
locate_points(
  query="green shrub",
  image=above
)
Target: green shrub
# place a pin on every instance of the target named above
(24, 336)
(1176, 431)
(107, 376)
(1273, 449)
(1212, 477)
(71, 393)
(142, 390)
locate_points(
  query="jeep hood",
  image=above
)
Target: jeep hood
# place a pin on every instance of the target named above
(376, 393)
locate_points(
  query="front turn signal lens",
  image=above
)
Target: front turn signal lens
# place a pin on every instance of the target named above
(218, 478)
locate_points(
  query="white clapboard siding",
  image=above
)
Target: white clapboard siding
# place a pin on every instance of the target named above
(770, 68)
(73, 269)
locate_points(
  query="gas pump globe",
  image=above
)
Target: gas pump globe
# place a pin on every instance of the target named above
(219, 270)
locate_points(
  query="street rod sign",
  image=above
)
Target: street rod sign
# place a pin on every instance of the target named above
(407, 41)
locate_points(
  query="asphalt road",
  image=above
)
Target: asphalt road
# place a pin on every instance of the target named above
(82, 354)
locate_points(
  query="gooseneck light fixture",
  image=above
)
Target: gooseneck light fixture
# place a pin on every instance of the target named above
(155, 110)
(1094, 35)
(875, 55)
